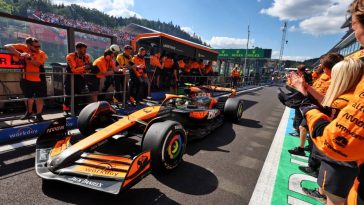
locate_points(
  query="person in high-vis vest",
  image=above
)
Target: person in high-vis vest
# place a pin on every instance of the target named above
(33, 84)
(78, 63)
(235, 74)
(124, 61)
(102, 67)
(342, 139)
(336, 178)
(138, 76)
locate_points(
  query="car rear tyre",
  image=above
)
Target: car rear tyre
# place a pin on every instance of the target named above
(93, 116)
(167, 143)
(233, 109)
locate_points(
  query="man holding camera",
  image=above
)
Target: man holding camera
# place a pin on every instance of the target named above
(33, 83)
(78, 63)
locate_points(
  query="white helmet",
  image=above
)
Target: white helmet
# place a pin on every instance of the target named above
(115, 48)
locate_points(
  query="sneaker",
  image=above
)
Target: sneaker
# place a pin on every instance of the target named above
(66, 113)
(38, 117)
(297, 151)
(294, 134)
(309, 171)
(307, 148)
(314, 193)
(26, 116)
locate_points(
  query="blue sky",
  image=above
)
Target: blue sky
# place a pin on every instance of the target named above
(313, 25)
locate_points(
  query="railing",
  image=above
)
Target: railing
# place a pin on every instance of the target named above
(197, 80)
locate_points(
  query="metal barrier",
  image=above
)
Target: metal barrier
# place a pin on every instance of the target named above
(198, 80)
(73, 94)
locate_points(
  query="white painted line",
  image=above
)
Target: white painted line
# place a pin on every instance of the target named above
(264, 188)
(9, 147)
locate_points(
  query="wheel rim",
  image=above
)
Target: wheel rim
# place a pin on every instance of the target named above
(173, 151)
(240, 110)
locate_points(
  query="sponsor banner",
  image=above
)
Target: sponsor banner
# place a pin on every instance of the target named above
(30, 130)
(290, 180)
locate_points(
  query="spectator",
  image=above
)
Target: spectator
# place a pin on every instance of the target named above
(318, 90)
(317, 73)
(102, 66)
(335, 179)
(78, 63)
(33, 84)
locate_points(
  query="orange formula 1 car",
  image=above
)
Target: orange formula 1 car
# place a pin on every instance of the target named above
(98, 160)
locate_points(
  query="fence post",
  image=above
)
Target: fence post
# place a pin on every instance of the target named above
(72, 95)
(126, 78)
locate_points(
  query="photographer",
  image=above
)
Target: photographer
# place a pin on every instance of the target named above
(33, 84)
(78, 63)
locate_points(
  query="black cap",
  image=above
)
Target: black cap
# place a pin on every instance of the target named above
(126, 47)
(81, 45)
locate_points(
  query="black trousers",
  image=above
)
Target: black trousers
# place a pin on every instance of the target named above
(79, 87)
(297, 119)
(118, 82)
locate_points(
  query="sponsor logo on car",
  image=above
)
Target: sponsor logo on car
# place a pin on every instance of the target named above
(24, 131)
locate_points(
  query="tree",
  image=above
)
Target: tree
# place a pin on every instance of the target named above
(5, 7)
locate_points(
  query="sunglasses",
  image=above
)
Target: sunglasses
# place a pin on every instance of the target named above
(36, 46)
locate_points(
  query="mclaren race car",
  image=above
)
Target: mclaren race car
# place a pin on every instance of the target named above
(99, 160)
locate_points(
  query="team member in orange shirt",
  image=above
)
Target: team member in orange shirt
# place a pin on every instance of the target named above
(102, 66)
(155, 62)
(235, 74)
(33, 84)
(317, 73)
(138, 75)
(169, 72)
(78, 63)
(318, 91)
(342, 138)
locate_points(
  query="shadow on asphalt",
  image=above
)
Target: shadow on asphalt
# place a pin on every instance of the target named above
(248, 104)
(220, 137)
(69, 193)
(250, 123)
(20, 164)
(190, 179)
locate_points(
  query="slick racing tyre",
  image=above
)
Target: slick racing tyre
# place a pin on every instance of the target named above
(233, 109)
(93, 116)
(167, 143)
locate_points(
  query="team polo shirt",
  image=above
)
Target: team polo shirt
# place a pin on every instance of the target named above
(104, 66)
(41, 57)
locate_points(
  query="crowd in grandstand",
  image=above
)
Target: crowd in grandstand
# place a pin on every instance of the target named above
(122, 37)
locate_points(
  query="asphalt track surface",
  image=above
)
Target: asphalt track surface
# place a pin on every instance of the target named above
(223, 168)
